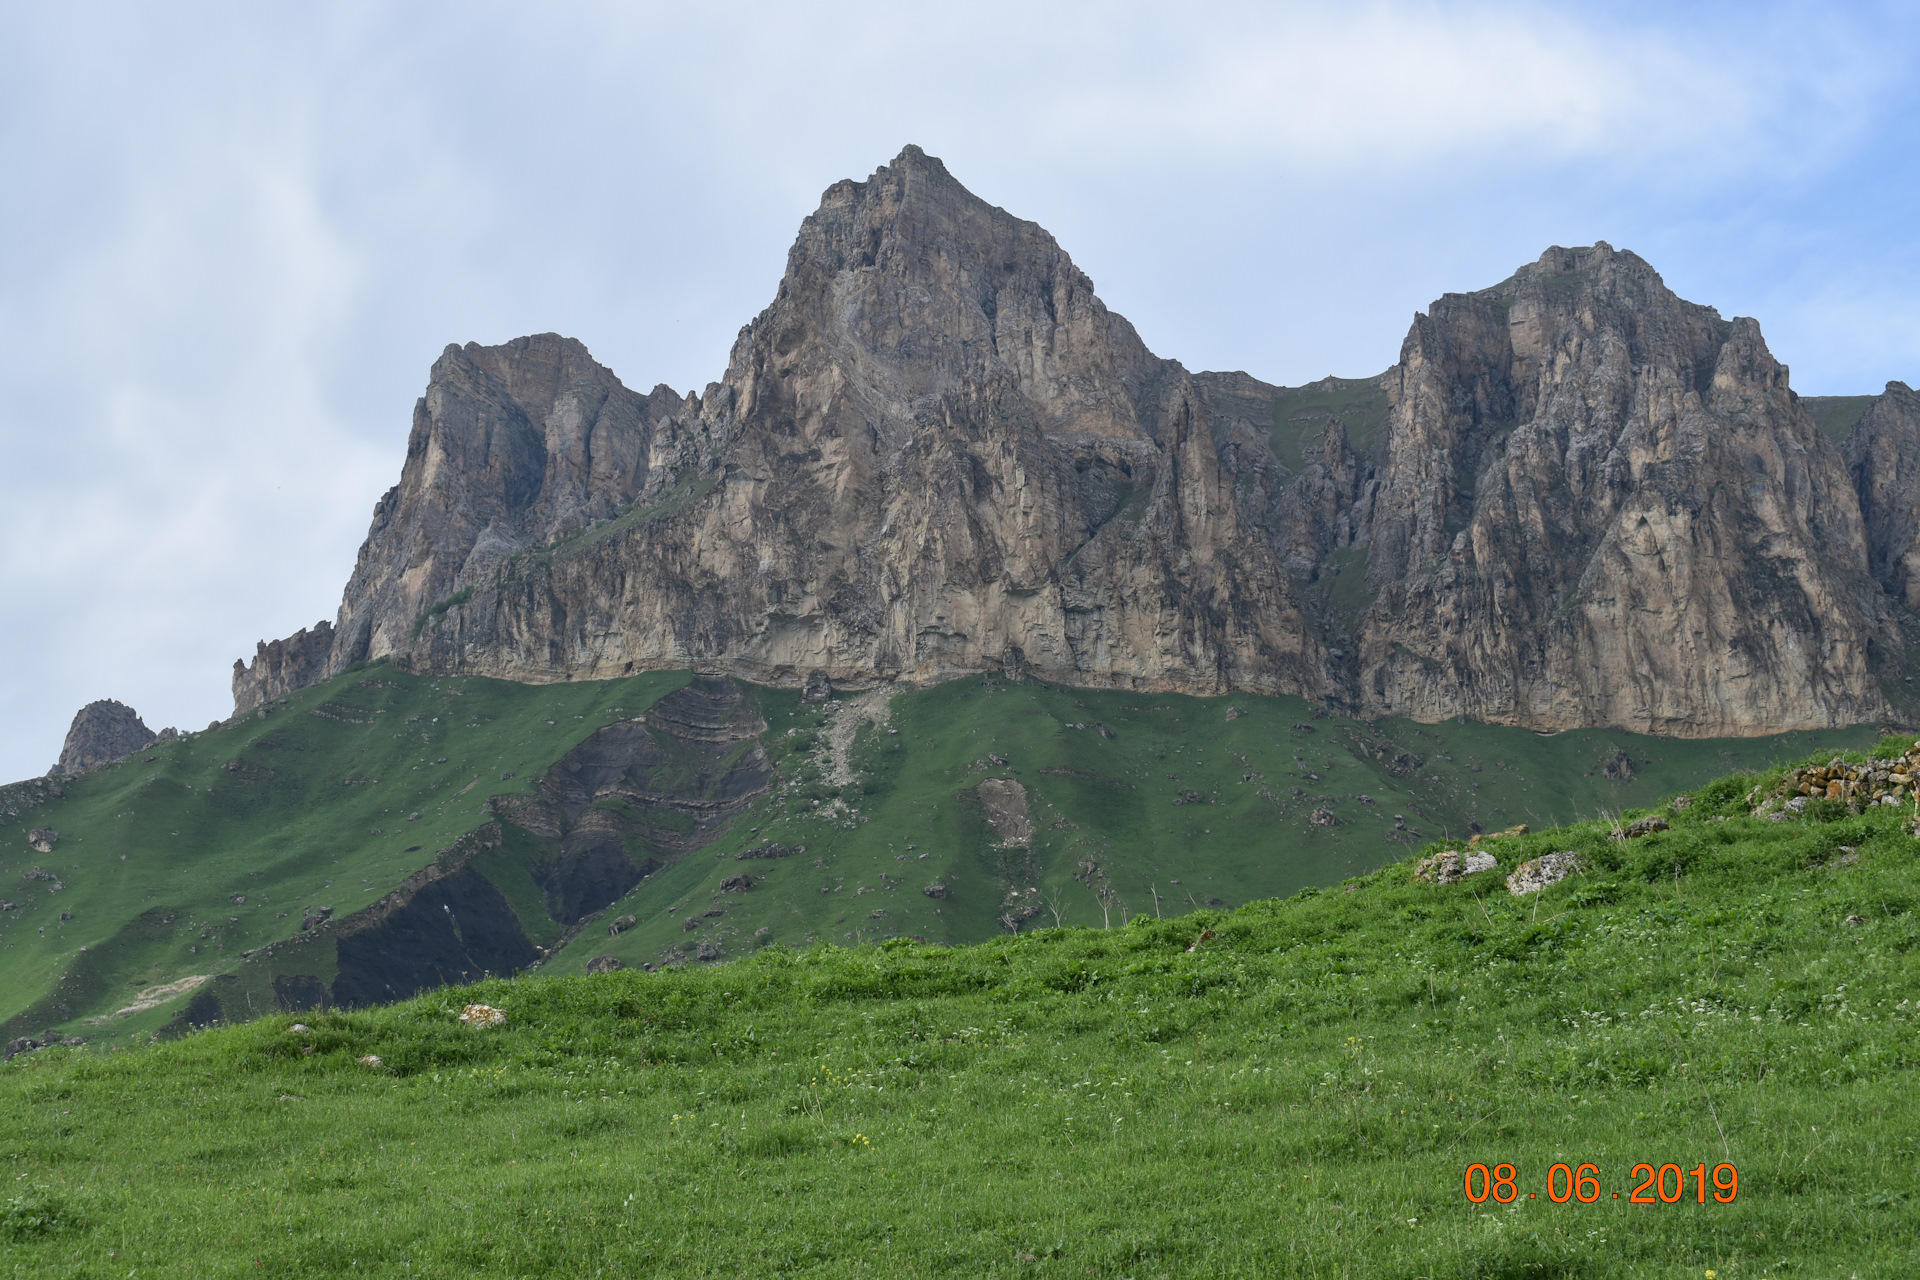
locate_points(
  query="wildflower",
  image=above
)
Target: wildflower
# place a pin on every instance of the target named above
(483, 1015)
(369, 1060)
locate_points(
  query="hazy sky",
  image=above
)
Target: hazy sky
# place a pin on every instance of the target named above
(233, 238)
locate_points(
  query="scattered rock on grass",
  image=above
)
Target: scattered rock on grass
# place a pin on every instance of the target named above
(1450, 865)
(620, 925)
(605, 964)
(1532, 877)
(1641, 827)
(43, 839)
(1888, 782)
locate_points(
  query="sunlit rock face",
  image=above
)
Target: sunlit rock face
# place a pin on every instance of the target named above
(1577, 499)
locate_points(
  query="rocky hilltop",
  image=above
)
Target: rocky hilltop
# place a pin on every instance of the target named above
(103, 732)
(1577, 499)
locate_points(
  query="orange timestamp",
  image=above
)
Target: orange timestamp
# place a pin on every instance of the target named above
(1582, 1183)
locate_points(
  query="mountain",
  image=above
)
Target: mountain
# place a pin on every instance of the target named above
(1576, 500)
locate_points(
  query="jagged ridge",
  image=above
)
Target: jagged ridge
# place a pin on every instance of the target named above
(1575, 500)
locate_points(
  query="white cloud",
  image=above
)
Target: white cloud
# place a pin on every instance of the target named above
(236, 236)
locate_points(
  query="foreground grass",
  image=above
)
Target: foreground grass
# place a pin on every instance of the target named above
(1299, 1095)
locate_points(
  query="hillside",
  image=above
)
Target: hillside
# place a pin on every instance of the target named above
(1293, 1088)
(275, 863)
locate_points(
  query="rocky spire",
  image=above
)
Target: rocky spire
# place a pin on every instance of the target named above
(102, 732)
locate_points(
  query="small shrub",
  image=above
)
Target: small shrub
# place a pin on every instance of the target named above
(32, 1214)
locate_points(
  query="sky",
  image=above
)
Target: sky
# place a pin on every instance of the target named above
(233, 238)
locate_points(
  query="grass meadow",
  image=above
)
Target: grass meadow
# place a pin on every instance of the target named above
(1292, 1088)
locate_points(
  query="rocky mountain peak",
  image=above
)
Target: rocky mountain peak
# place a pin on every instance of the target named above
(1576, 499)
(102, 732)
(908, 286)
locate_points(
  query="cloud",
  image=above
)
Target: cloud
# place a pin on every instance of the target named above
(237, 235)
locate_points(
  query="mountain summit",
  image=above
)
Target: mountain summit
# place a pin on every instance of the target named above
(1576, 500)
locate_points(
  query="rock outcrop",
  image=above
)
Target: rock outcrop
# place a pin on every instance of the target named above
(1601, 505)
(282, 666)
(102, 732)
(1884, 456)
(1577, 499)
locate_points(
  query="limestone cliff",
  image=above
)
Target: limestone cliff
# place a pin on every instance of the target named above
(512, 446)
(1600, 504)
(1884, 456)
(1576, 500)
(281, 666)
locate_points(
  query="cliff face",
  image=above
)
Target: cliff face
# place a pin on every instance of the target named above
(512, 446)
(937, 450)
(281, 666)
(1576, 500)
(1884, 456)
(1600, 504)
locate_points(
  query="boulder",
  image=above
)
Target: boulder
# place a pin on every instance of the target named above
(1450, 865)
(1532, 877)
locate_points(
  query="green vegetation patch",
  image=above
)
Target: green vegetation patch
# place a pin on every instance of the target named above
(436, 612)
(174, 864)
(1180, 803)
(687, 488)
(1300, 416)
(1836, 415)
(1296, 1088)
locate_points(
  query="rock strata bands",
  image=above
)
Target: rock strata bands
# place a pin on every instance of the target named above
(1577, 499)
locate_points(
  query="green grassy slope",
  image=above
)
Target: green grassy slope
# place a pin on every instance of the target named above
(154, 851)
(1297, 1094)
(289, 826)
(1836, 414)
(1116, 801)
(1300, 415)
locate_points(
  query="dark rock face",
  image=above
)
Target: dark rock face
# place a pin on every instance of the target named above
(636, 796)
(299, 992)
(445, 925)
(513, 446)
(1884, 456)
(1577, 499)
(102, 733)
